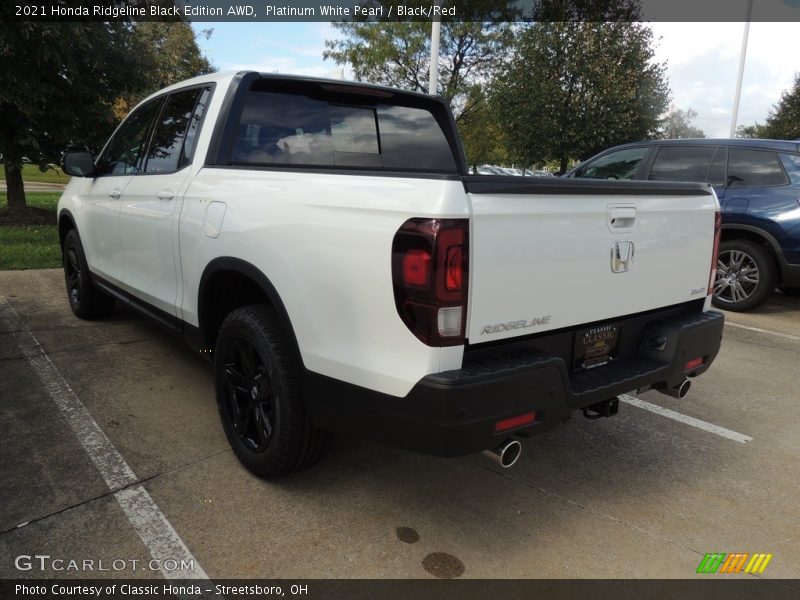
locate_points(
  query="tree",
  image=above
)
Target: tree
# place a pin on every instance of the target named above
(170, 51)
(783, 122)
(68, 84)
(754, 131)
(575, 87)
(677, 123)
(57, 86)
(480, 132)
(398, 53)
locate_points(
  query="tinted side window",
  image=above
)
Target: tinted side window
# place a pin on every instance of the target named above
(754, 168)
(621, 164)
(194, 127)
(166, 147)
(295, 129)
(716, 175)
(122, 154)
(682, 163)
(791, 162)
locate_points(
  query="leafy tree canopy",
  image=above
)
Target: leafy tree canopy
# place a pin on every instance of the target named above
(66, 84)
(573, 88)
(398, 54)
(783, 122)
(677, 123)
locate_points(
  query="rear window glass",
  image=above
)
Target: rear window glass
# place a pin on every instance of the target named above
(682, 163)
(621, 164)
(294, 129)
(754, 168)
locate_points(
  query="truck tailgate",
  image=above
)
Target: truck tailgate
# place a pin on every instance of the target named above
(546, 254)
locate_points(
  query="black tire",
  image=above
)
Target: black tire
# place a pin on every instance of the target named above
(741, 262)
(258, 396)
(85, 300)
(790, 291)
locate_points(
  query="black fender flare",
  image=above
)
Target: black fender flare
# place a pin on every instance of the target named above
(65, 215)
(237, 265)
(767, 237)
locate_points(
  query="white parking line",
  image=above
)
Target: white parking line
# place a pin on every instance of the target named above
(671, 414)
(157, 534)
(787, 336)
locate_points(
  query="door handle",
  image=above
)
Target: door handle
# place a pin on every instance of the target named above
(621, 218)
(115, 194)
(165, 195)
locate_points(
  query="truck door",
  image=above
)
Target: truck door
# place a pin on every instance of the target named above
(116, 167)
(151, 202)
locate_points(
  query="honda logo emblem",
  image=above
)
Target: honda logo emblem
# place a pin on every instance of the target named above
(621, 257)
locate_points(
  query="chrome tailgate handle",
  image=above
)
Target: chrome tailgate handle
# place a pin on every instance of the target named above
(621, 218)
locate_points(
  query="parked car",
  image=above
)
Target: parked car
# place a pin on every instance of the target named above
(758, 185)
(323, 244)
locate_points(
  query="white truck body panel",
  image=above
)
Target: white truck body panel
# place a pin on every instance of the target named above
(325, 241)
(545, 260)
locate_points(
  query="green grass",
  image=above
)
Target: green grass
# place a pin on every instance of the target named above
(31, 246)
(46, 200)
(33, 174)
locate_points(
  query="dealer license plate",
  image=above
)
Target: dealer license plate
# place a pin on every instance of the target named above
(595, 347)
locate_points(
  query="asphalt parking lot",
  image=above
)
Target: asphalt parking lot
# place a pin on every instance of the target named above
(643, 495)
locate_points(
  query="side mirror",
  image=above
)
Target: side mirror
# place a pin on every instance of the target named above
(78, 164)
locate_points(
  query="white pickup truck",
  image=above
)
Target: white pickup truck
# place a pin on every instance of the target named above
(323, 243)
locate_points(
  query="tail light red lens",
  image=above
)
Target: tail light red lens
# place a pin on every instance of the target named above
(430, 272)
(416, 267)
(715, 252)
(454, 271)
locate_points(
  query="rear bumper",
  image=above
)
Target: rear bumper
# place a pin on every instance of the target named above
(454, 413)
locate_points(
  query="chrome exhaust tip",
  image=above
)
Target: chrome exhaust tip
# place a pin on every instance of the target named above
(680, 391)
(506, 454)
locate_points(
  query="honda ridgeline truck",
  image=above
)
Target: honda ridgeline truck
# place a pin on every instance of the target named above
(323, 243)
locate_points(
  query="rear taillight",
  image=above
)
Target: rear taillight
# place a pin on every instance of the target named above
(430, 261)
(715, 253)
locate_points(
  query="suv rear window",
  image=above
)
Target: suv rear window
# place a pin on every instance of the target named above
(754, 168)
(682, 163)
(294, 129)
(791, 162)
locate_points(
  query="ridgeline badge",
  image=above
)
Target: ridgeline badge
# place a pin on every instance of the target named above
(522, 324)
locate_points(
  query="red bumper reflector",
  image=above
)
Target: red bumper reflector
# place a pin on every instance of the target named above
(693, 364)
(514, 422)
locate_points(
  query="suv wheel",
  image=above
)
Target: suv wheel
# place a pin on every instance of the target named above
(85, 300)
(258, 396)
(746, 275)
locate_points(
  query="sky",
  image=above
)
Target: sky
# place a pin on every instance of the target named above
(702, 61)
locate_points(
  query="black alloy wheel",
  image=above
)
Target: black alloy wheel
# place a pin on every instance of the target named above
(250, 399)
(259, 396)
(85, 300)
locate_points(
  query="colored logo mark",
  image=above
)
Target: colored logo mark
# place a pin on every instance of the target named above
(736, 562)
